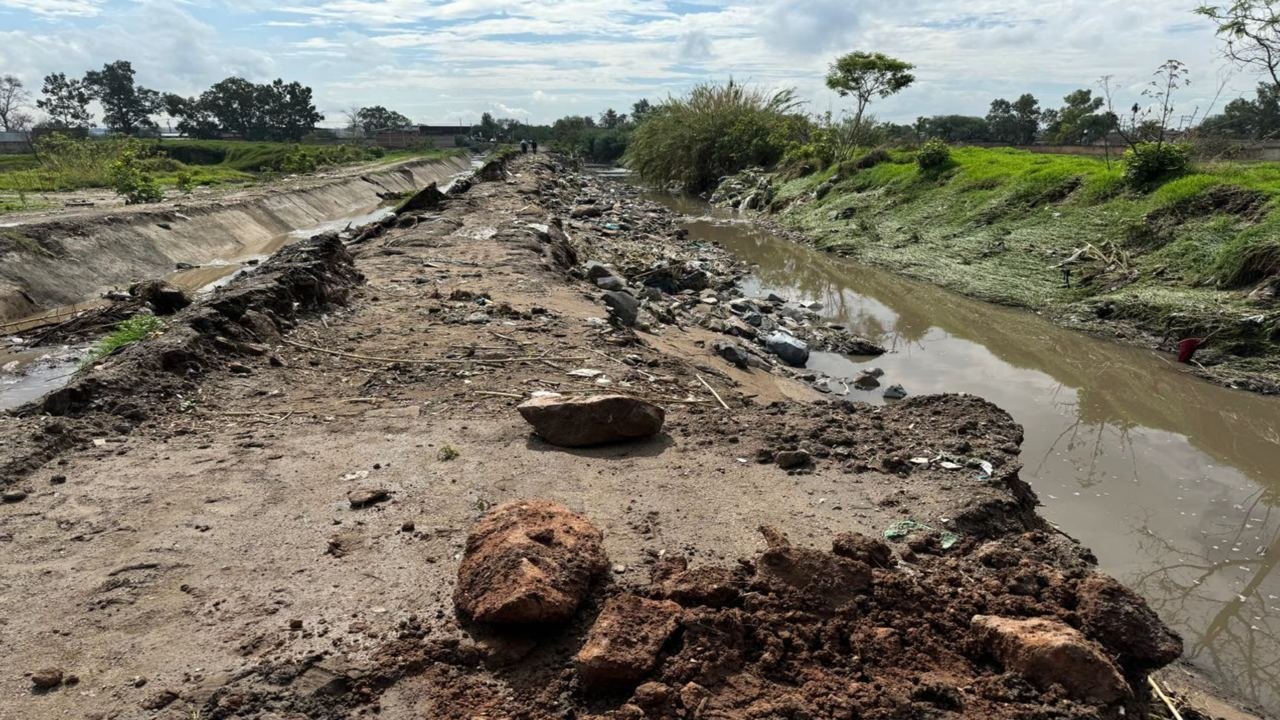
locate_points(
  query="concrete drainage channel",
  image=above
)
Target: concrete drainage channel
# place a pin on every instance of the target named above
(197, 252)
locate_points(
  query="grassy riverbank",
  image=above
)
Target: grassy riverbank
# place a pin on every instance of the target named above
(177, 163)
(1178, 261)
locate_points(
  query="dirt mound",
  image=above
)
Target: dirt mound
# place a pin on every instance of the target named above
(903, 641)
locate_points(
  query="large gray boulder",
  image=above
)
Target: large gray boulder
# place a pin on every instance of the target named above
(792, 350)
(594, 420)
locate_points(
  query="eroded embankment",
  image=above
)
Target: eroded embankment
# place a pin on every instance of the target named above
(1193, 260)
(265, 512)
(61, 262)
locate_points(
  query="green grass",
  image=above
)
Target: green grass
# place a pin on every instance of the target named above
(209, 162)
(998, 223)
(135, 329)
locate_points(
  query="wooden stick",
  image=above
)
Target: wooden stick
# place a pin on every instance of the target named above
(1167, 701)
(713, 391)
(500, 394)
(430, 361)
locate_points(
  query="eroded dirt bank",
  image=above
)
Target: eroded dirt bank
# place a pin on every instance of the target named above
(65, 260)
(262, 513)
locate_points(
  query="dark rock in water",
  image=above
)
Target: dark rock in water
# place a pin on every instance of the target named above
(428, 198)
(625, 641)
(528, 563)
(866, 381)
(792, 350)
(1122, 621)
(459, 186)
(1048, 652)
(594, 420)
(164, 299)
(734, 354)
(895, 392)
(623, 307)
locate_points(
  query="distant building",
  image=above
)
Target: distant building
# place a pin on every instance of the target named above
(441, 136)
(14, 143)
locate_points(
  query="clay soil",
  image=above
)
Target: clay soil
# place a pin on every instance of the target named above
(273, 529)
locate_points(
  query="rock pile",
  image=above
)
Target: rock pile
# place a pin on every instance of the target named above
(995, 630)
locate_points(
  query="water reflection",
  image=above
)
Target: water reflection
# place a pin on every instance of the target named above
(1171, 480)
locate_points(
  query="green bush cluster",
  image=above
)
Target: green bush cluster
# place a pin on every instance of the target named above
(1146, 164)
(713, 132)
(129, 180)
(934, 156)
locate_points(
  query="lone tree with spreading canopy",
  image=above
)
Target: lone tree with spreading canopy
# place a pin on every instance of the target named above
(1252, 31)
(867, 76)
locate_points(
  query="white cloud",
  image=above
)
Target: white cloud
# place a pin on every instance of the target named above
(56, 8)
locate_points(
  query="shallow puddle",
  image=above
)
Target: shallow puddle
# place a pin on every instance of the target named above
(1172, 481)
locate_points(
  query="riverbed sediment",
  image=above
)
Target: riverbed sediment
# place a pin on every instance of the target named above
(183, 533)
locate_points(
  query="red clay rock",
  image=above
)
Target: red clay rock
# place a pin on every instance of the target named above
(1047, 652)
(1122, 621)
(528, 562)
(856, 546)
(819, 578)
(594, 420)
(706, 586)
(626, 639)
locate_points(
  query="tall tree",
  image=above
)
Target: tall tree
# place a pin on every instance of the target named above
(13, 98)
(126, 107)
(287, 109)
(1252, 31)
(377, 117)
(193, 118)
(65, 101)
(1078, 121)
(640, 110)
(1015, 122)
(233, 104)
(866, 76)
(1257, 119)
(610, 119)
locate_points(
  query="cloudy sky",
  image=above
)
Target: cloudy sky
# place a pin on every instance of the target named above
(445, 61)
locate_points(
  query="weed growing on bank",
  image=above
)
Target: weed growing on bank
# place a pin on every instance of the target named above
(128, 332)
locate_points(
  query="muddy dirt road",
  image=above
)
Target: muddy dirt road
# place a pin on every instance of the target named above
(228, 521)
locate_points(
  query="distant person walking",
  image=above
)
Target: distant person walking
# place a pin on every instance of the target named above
(534, 145)
(524, 146)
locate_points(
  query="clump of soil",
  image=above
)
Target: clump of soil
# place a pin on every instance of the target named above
(805, 633)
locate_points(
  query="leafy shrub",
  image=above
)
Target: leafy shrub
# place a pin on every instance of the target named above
(1146, 164)
(714, 131)
(934, 156)
(130, 182)
(185, 181)
(297, 161)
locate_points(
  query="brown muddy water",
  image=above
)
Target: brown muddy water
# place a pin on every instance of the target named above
(1173, 482)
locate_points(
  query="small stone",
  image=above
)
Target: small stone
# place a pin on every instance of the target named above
(295, 624)
(13, 496)
(792, 350)
(364, 497)
(624, 308)
(57, 479)
(734, 354)
(407, 526)
(895, 392)
(159, 699)
(790, 459)
(46, 679)
(610, 282)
